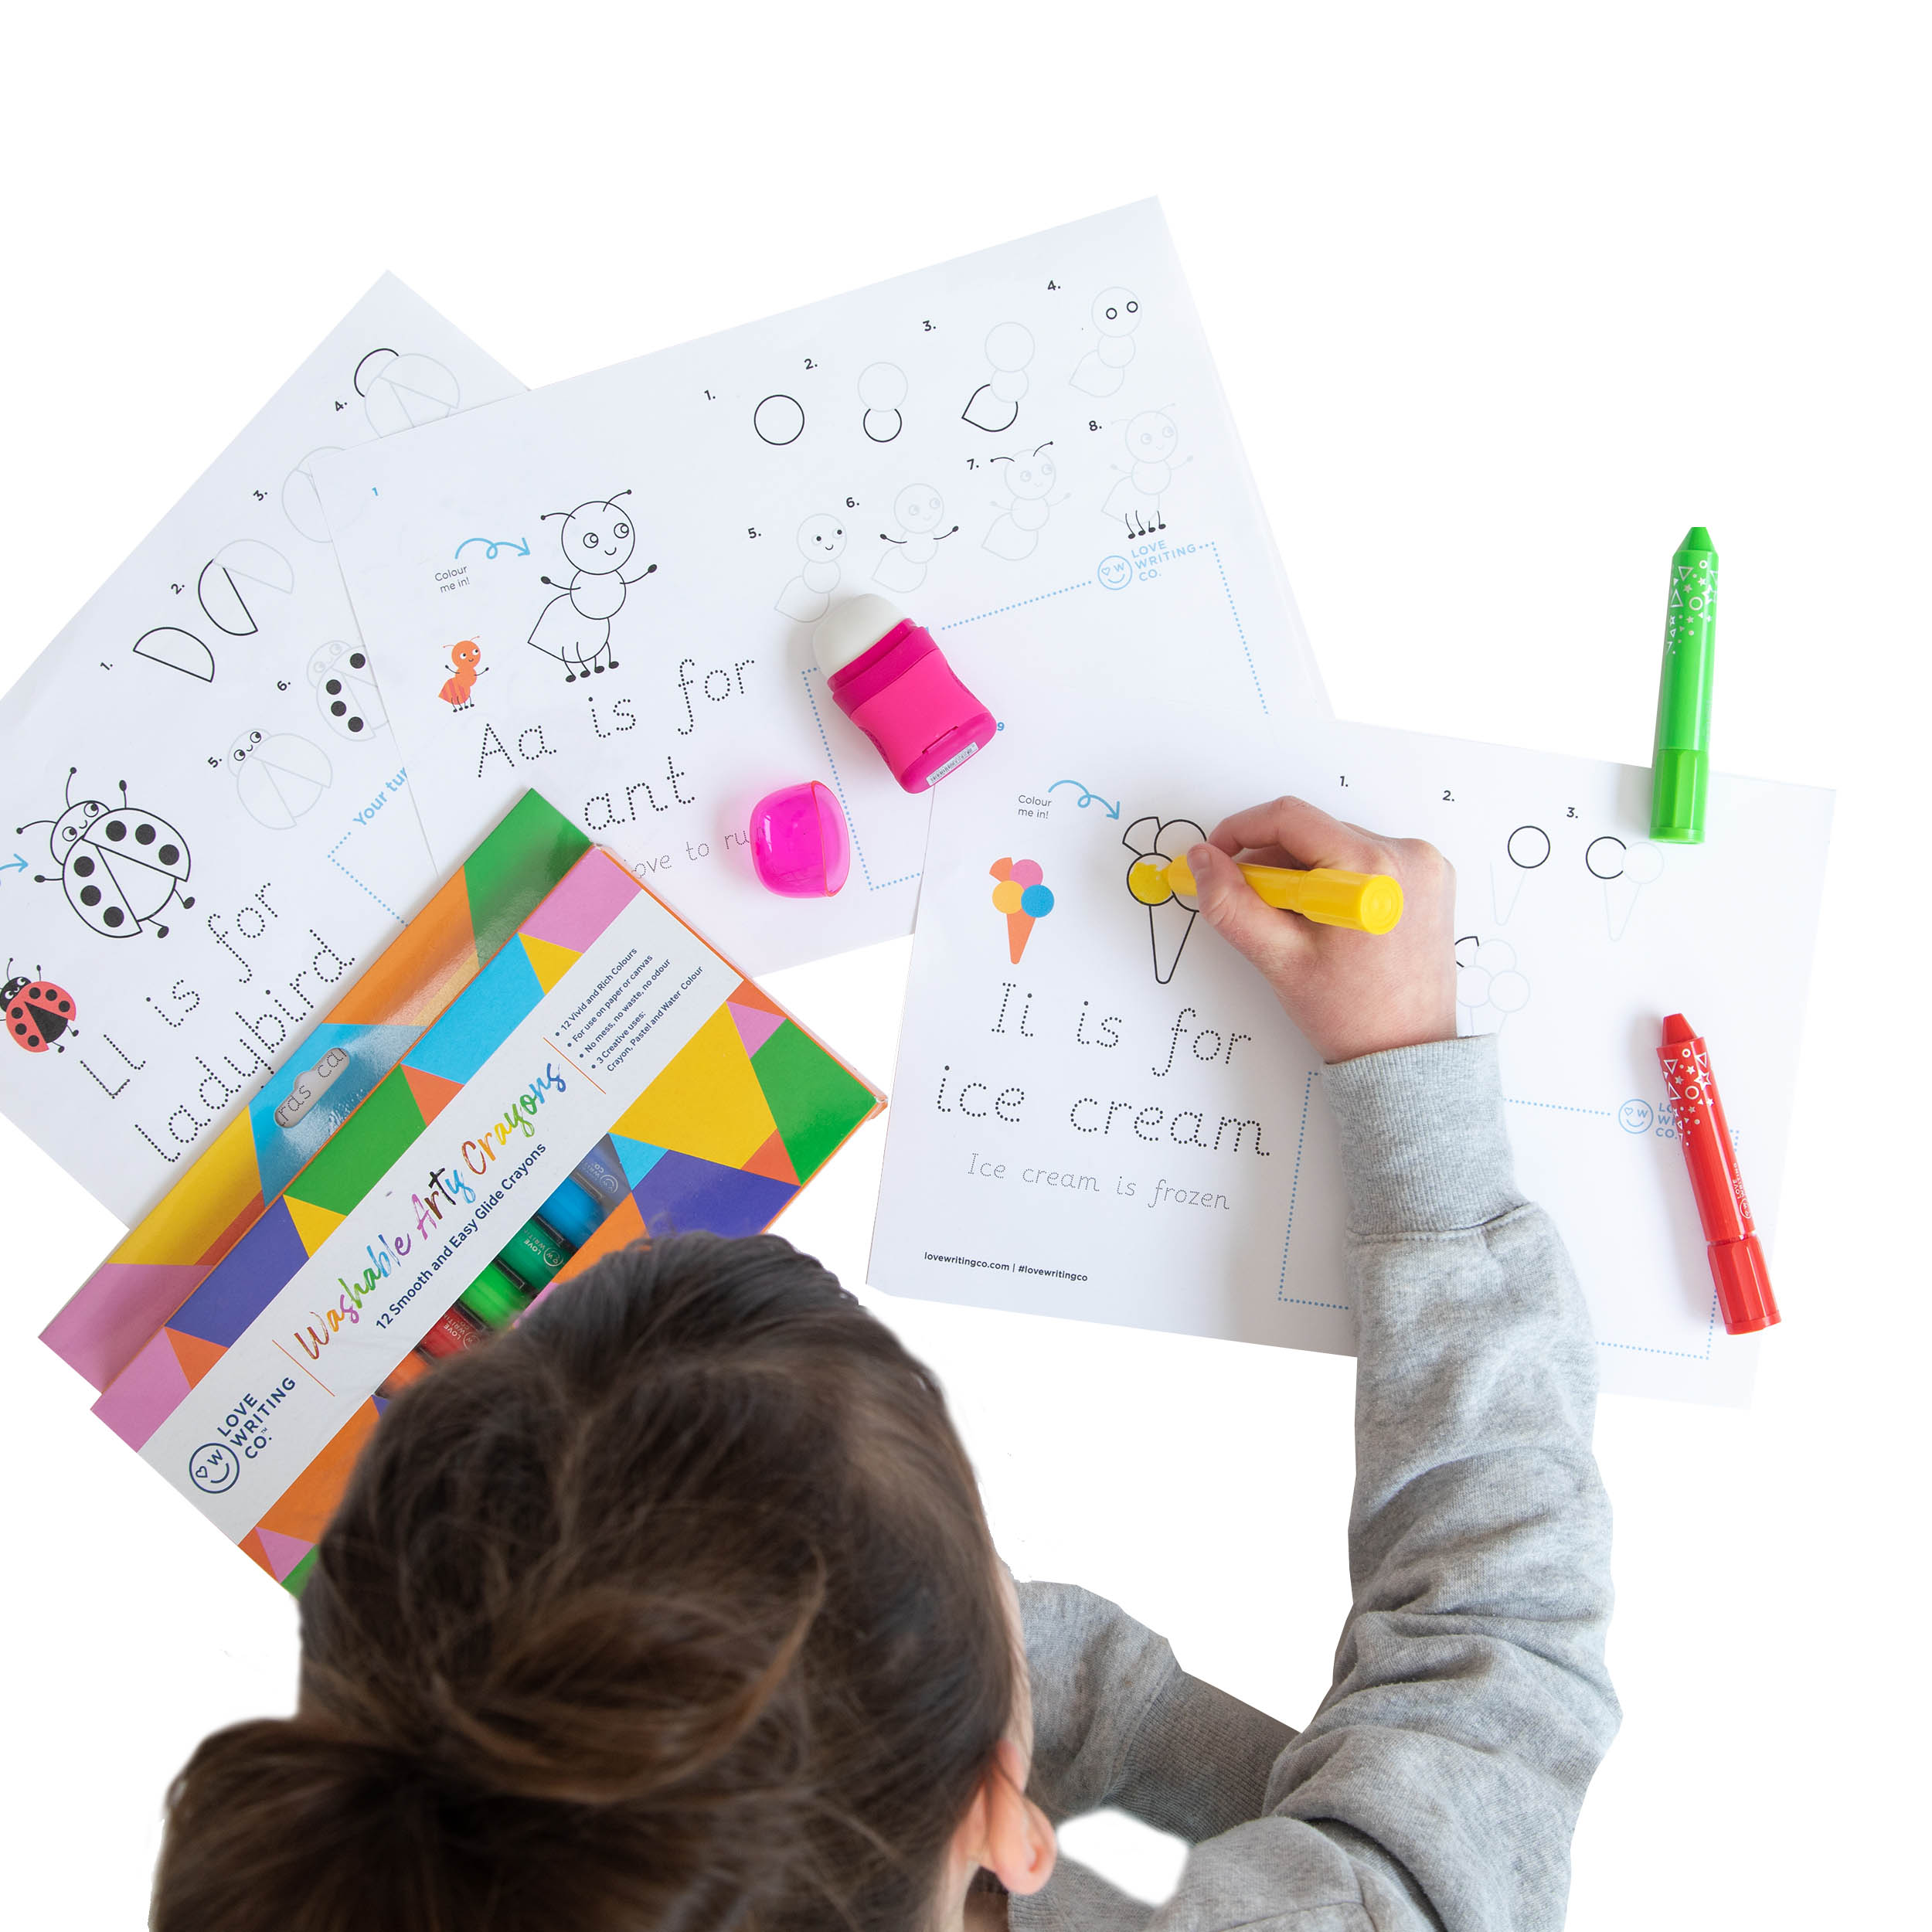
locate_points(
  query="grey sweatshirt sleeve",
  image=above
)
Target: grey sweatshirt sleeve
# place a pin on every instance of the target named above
(1438, 1783)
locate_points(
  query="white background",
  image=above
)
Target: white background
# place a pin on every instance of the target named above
(1504, 298)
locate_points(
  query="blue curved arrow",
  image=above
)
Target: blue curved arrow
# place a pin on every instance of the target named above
(518, 544)
(19, 865)
(1086, 797)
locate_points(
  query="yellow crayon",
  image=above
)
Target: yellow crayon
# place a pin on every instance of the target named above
(1366, 902)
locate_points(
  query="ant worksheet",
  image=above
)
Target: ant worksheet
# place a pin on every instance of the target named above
(606, 589)
(211, 826)
(1100, 1110)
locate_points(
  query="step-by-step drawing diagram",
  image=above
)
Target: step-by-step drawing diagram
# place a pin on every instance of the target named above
(402, 392)
(240, 575)
(227, 629)
(882, 395)
(278, 778)
(1102, 370)
(344, 687)
(179, 650)
(300, 503)
(1625, 869)
(919, 510)
(1526, 851)
(1015, 532)
(807, 597)
(1134, 501)
(779, 420)
(994, 406)
(1489, 987)
(242, 582)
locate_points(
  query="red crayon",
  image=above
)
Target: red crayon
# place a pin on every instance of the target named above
(1744, 1297)
(453, 1333)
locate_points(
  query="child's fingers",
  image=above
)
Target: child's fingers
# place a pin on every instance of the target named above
(1271, 940)
(1308, 835)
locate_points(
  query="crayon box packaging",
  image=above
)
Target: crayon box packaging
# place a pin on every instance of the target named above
(605, 1038)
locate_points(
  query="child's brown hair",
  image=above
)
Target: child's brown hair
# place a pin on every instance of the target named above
(674, 1607)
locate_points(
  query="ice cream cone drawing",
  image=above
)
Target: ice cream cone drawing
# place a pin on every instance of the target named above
(1170, 915)
(1023, 895)
(1488, 986)
(1625, 871)
(1526, 850)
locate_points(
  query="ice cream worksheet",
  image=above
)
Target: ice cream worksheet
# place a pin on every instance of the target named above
(608, 588)
(1099, 1111)
(211, 825)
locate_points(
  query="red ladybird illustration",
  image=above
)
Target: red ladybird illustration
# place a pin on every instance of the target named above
(38, 1010)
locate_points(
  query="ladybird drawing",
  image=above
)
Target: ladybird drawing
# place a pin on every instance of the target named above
(121, 867)
(345, 688)
(277, 778)
(574, 627)
(38, 1010)
(459, 692)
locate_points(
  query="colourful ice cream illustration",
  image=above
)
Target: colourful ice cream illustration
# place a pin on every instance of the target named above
(1022, 896)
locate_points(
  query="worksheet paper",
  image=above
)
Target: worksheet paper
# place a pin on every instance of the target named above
(606, 589)
(1100, 1111)
(215, 830)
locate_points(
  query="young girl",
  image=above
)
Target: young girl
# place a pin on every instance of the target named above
(674, 1609)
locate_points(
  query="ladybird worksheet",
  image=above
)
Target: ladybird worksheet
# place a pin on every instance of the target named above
(208, 828)
(607, 589)
(1101, 1112)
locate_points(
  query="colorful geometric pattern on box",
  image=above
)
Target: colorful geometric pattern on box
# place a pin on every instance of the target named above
(748, 1111)
(126, 1300)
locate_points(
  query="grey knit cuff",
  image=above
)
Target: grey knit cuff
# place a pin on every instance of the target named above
(1424, 1149)
(1199, 1764)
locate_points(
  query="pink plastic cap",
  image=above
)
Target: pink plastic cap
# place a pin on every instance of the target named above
(799, 849)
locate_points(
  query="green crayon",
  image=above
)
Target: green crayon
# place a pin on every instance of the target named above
(494, 1297)
(1681, 762)
(534, 1255)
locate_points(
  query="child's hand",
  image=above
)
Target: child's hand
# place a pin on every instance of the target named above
(1348, 992)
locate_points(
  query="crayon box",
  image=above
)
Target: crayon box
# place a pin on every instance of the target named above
(604, 1023)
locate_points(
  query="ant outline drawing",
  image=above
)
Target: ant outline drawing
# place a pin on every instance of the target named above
(918, 509)
(1014, 533)
(574, 627)
(1136, 500)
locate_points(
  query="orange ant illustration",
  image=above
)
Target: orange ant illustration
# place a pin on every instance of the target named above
(459, 692)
